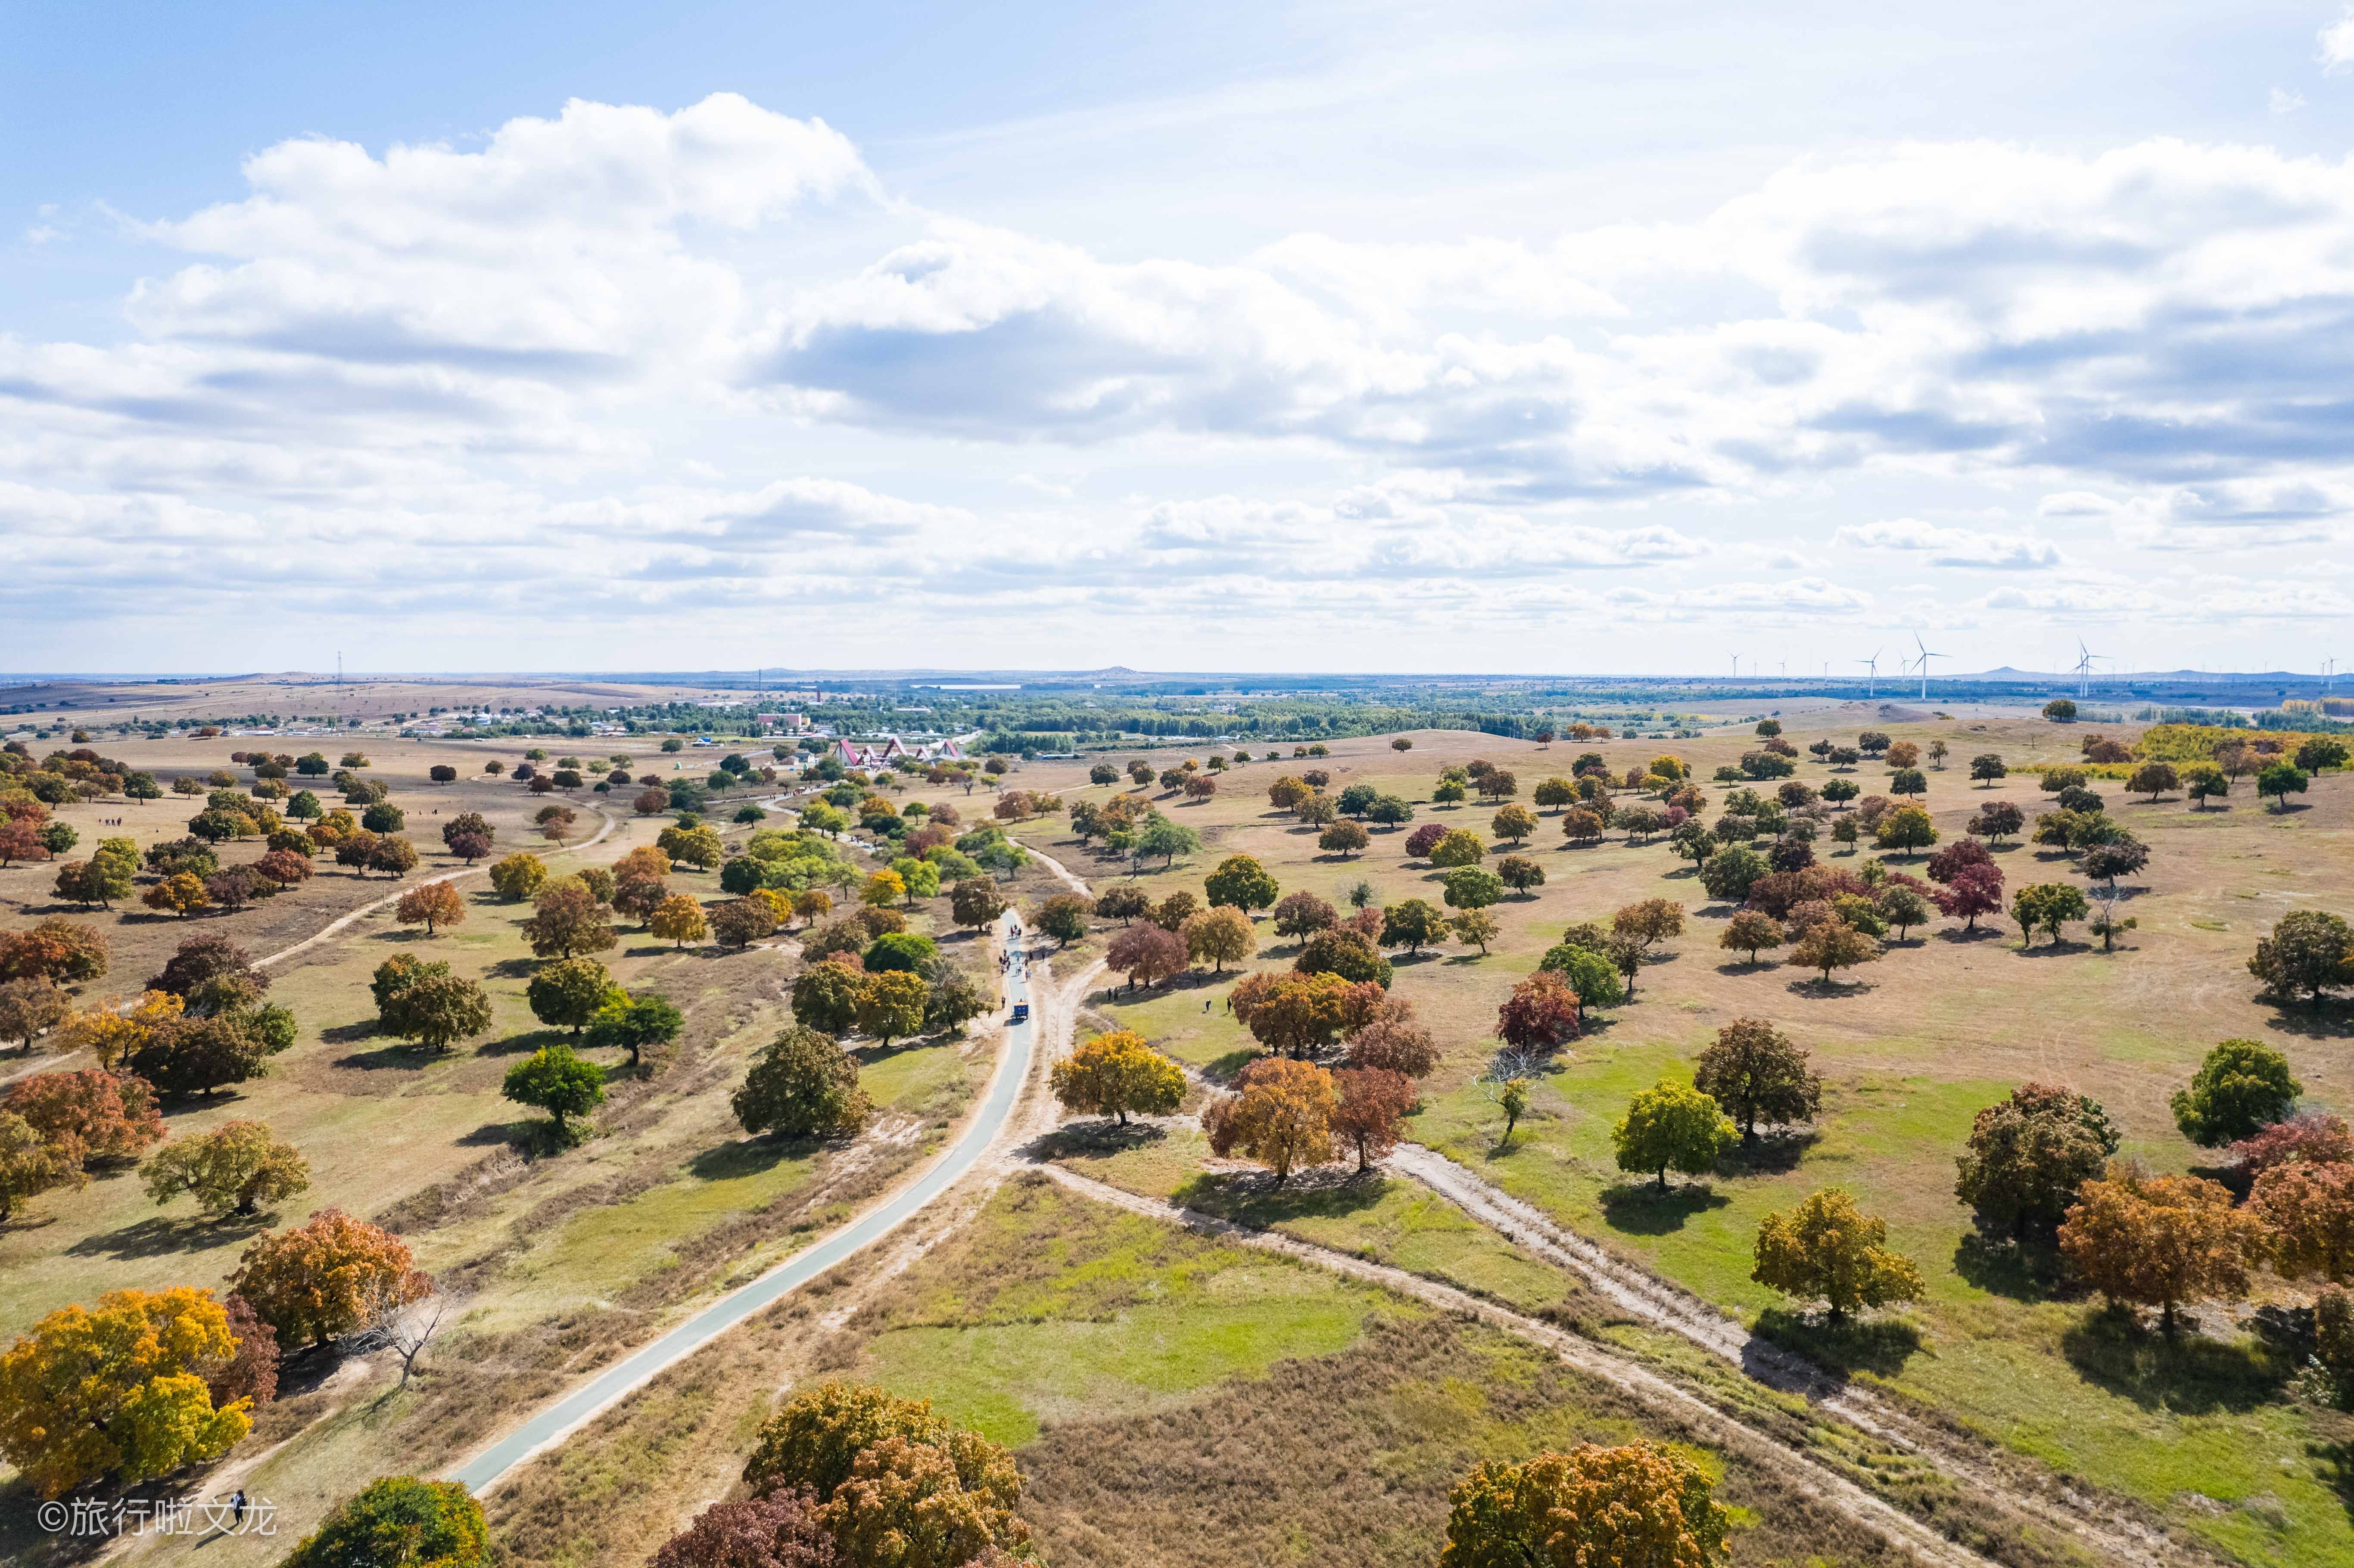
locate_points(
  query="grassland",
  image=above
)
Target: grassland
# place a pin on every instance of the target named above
(1151, 1380)
(554, 1263)
(2208, 1434)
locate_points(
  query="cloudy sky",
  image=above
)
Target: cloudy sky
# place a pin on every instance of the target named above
(1216, 336)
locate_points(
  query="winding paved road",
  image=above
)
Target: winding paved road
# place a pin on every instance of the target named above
(485, 1470)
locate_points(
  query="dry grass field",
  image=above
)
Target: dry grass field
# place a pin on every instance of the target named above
(2204, 1433)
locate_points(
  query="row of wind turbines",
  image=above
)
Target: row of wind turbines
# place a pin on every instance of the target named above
(1919, 663)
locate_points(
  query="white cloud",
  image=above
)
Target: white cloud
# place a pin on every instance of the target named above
(2336, 41)
(2285, 101)
(1953, 546)
(516, 352)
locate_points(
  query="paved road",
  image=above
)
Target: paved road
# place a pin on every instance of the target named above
(485, 1470)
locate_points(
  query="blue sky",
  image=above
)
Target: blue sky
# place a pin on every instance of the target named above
(1365, 336)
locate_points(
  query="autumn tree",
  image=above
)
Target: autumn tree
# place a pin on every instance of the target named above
(1343, 837)
(1543, 1012)
(975, 901)
(1828, 1250)
(1833, 945)
(1755, 1071)
(1638, 1506)
(66, 951)
(782, 1530)
(567, 994)
(91, 1116)
(1392, 1041)
(435, 1009)
(30, 1165)
(678, 920)
(1512, 822)
(557, 1082)
(30, 1008)
(2160, 1241)
(897, 1486)
(519, 876)
(826, 995)
(234, 1168)
(1294, 1013)
(400, 1519)
(321, 1279)
(2241, 1086)
(2027, 1155)
(1476, 926)
(1297, 916)
(431, 905)
(802, 1085)
(1064, 917)
(1370, 1116)
(1457, 846)
(1222, 935)
(2317, 1137)
(1280, 1117)
(891, 1005)
(1672, 1126)
(1749, 931)
(1649, 921)
(1970, 892)
(1115, 1074)
(1241, 881)
(120, 1391)
(1146, 955)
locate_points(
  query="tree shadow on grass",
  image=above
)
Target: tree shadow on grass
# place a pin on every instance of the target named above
(167, 1233)
(2062, 948)
(512, 968)
(1877, 1345)
(1815, 987)
(399, 1057)
(1642, 1210)
(1979, 934)
(522, 1044)
(1095, 1138)
(748, 1157)
(1252, 1198)
(493, 1134)
(2333, 1020)
(351, 1033)
(1774, 1153)
(874, 1054)
(2190, 1375)
(2019, 1271)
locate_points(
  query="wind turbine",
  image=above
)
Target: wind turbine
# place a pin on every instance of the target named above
(1871, 668)
(1925, 656)
(2085, 657)
(1736, 666)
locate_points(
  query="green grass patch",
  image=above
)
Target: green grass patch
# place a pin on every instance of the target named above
(1049, 1307)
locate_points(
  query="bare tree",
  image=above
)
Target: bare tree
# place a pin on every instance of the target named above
(404, 1328)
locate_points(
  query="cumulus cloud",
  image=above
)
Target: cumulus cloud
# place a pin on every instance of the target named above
(557, 248)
